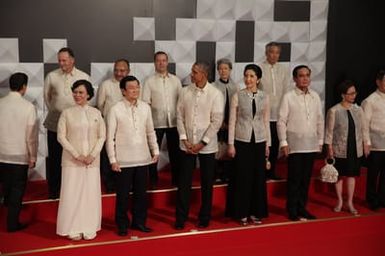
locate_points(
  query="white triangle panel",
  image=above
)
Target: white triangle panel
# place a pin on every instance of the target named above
(319, 10)
(51, 48)
(183, 71)
(299, 52)
(144, 28)
(259, 52)
(280, 31)
(264, 10)
(299, 32)
(101, 72)
(185, 29)
(225, 50)
(9, 50)
(224, 31)
(262, 31)
(141, 70)
(317, 52)
(318, 30)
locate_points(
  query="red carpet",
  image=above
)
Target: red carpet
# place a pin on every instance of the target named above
(332, 233)
(335, 237)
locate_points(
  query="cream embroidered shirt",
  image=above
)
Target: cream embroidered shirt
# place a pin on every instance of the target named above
(199, 116)
(18, 130)
(58, 94)
(374, 108)
(131, 139)
(161, 93)
(109, 94)
(300, 121)
(275, 82)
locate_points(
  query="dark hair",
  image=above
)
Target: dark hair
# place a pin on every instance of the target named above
(295, 70)
(380, 75)
(272, 44)
(160, 53)
(257, 70)
(344, 86)
(123, 60)
(87, 85)
(17, 80)
(68, 50)
(126, 79)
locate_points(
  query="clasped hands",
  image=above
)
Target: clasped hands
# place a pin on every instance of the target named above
(193, 149)
(87, 160)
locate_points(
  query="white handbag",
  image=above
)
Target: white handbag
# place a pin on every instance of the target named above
(329, 173)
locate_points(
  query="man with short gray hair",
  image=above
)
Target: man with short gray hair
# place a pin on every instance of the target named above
(275, 82)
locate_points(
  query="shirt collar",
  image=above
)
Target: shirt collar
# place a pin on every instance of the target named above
(85, 107)
(72, 73)
(14, 93)
(270, 65)
(382, 95)
(129, 104)
(161, 75)
(300, 92)
(204, 89)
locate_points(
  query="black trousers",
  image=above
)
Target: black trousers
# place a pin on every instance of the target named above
(375, 180)
(107, 175)
(274, 150)
(207, 168)
(14, 178)
(172, 137)
(300, 166)
(250, 196)
(53, 170)
(135, 178)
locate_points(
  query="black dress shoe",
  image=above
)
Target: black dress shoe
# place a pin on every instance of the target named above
(374, 207)
(293, 217)
(274, 177)
(203, 224)
(142, 228)
(122, 232)
(179, 225)
(20, 226)
(53, 196)
(307, 215)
